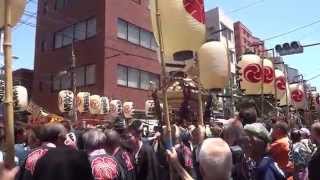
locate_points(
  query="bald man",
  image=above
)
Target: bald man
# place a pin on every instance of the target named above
(215, 160)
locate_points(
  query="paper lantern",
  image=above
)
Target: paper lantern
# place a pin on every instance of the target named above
(115, 107)
(2, 90)
(20, 98)
(83, 101)
(17, 9)
(268, 72)
(105, 106)
(95, 104)
(128, 109)
(149, 108)
(182, 25)
(286, 99)
(298, 96)
(65, 101)
(251, 74)
(280, 83)
(213, 63)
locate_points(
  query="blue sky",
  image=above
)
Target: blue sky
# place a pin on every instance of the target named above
(265, 19)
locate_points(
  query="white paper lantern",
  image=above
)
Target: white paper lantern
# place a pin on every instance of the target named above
(182, 25)
(115, 107)
(95, 104)
(17, 7)
(251, 70)
(20, 98)
(268, 86)
(149, 108)
(105, 106)
(281, 84)
(83, 101)
(128, 109)
(213, 63)
(2, 90)
(298, 96)
(286, 99)
(65, 101)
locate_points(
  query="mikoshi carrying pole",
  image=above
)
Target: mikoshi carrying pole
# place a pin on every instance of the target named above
(163, 80)
(163, 72)
(8, 102)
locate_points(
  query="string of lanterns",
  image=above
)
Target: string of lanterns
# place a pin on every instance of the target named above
(98, 105)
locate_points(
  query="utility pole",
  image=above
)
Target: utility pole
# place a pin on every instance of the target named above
(8, 102)
(74, 83)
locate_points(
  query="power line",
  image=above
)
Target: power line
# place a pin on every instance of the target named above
(245, 7)
(293, 30)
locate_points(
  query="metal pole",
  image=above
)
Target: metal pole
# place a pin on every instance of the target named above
(200, 104)
(262, 89)
(74, 84)
(274, 80)
(287, 95)
(9, 116)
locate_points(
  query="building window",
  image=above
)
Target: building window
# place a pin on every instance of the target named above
(133, 34)
(154, 44)
(227, 33)
(145, 38)
(90, 74)
(80, 76)
(144, 80)
(91, 27)
(131, 77)
(67, 36)
(136, 35)
(122, 76)
(80, 31)
(58, 37)
(122, 29)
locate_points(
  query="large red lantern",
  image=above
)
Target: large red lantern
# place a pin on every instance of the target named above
(268, 80)
(251, 70)
(298, 96)
(182, 25)
(280, 83)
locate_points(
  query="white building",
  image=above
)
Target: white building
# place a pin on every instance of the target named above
(220, 28)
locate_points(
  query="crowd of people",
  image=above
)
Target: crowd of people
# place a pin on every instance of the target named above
(240, 149)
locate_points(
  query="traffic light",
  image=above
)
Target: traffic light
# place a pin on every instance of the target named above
(288, 49)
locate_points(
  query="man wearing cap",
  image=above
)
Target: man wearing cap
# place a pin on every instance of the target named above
(258, 139)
